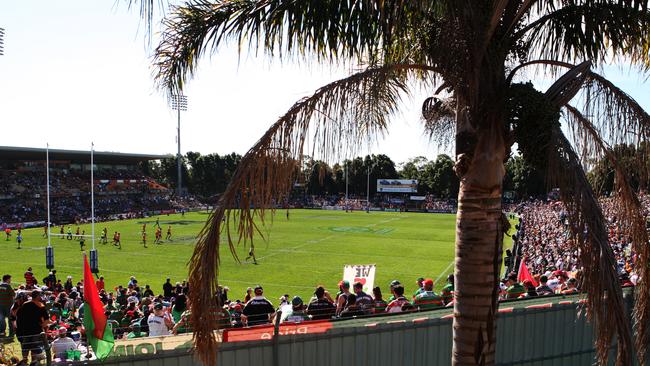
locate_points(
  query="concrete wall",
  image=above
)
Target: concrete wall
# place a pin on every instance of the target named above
(540, 336)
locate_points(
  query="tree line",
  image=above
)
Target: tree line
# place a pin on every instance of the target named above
(208, 175)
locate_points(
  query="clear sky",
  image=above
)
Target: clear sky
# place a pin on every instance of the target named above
(77, 71)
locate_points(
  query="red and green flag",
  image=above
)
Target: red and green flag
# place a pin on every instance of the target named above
(98, 332)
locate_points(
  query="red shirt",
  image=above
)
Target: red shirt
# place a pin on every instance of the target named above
(100, 285)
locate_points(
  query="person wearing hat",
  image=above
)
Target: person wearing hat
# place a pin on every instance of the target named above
(448, 291)
(159, 322)
(320, 307)
(296, 314)
(62, 344)
(236, 315)
(396, 305)
(258, 310)
(419, 284)
(427, 299)
(393, 284)
(342, 296)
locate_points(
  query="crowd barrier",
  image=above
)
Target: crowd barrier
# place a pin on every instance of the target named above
(536, 332)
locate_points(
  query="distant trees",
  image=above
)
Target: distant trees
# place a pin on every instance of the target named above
(207, 175)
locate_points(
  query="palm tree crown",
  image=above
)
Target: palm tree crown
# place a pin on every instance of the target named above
(468, 54)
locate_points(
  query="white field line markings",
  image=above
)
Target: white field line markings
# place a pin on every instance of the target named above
(443, 272)
(285, 250)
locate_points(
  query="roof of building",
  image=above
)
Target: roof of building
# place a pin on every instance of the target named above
(14, 153)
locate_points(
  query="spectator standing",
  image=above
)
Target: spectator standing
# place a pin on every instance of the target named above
(100, 283)
(147, 291)
(159, 322)
(342, 296)
(30, 280)
(7, 295)
(320, 307)
(68, 285)
(168, 289)
(180, 305)
(258, 310)
(31, 320)
(249, 294)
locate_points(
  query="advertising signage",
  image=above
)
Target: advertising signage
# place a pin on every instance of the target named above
(397, 185)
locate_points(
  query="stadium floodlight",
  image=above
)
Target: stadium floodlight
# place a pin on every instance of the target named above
(2, 42)
(178, 102)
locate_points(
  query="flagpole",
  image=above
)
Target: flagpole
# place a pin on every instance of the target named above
(92, 193)
(47, 173)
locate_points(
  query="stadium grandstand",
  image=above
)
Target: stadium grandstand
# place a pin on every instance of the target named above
(121, 187)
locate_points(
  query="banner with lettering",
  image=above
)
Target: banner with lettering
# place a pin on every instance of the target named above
(364, 273)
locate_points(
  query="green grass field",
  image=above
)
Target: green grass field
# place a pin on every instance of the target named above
(309, 249)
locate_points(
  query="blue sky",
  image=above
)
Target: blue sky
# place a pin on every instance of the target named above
(79, 71)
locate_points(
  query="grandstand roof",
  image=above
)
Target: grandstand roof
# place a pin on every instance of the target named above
(14, 153)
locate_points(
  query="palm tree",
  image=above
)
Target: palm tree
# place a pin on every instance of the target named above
(468, 54)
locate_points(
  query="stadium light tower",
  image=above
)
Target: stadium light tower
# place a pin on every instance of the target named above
(2, 41)
(178, 103)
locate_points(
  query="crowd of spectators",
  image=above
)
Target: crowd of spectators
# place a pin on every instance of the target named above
(117, 192)
(544, 240)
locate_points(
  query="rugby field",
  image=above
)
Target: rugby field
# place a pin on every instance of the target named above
(308, 249)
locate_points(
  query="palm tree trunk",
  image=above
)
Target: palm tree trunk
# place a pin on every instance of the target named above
(479, 242)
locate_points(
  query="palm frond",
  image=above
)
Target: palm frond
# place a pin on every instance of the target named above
(336, 117)
(439, 119)
(618, 117)
(629, 213)
(593, 30)
(325, 29)
(589, 231)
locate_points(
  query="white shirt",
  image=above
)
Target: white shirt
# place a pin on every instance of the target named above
(157, 326)
(553, 284)
(61, 345)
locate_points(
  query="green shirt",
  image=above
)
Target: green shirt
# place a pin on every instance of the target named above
(136, 335)
(417, 292)
(448, 293)
(515, 291)
(427, 300)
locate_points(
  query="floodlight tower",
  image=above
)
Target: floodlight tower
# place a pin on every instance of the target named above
(2, 42)
(178, 103)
